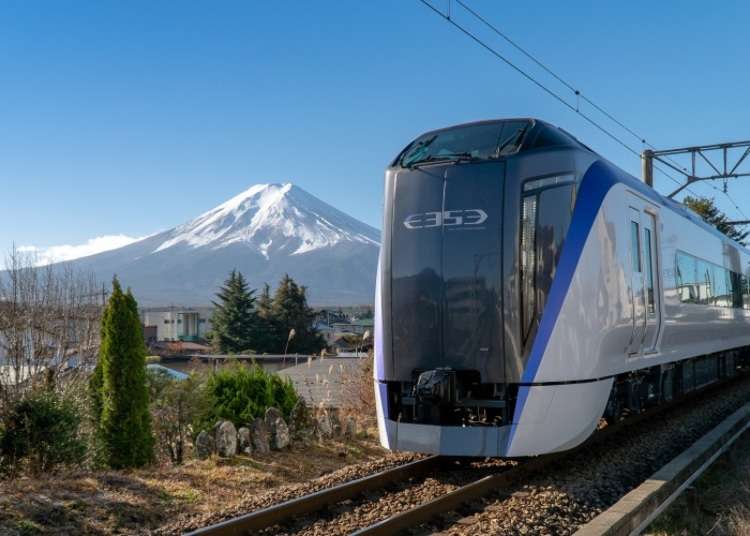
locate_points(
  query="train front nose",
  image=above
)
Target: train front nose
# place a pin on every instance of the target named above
(445, 294)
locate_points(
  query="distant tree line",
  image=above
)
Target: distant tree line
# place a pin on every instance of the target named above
(244, 323)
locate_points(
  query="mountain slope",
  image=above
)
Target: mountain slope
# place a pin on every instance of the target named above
(266, 231)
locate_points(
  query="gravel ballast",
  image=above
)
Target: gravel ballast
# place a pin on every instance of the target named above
(583, 485)
(568, 494)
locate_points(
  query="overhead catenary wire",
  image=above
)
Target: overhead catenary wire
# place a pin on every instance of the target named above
(539, 84)
(577, 92)
(553, 74)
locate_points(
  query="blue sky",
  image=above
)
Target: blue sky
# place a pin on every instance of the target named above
(130, 117)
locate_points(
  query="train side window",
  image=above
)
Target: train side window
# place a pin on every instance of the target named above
(705, 283)
(649, 272)
(545, 218)
(722, 296)
(635, 245)
(686, 281)
(528, 262)
(737, 290)
(553, 220)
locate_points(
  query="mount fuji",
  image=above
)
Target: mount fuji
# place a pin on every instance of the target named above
(264, 232)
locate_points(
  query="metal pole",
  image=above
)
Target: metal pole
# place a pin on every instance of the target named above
(647, 167)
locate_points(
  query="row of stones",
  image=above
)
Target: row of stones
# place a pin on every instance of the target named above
(271, 432)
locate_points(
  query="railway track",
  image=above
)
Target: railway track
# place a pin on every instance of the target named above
(425, 489)
(278, 513)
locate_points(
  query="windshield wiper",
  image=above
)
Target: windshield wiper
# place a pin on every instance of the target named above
(513, 139)
(445, 157)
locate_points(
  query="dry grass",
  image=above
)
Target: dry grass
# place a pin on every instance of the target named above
(136, 502)
(358, 392)
(718, 503)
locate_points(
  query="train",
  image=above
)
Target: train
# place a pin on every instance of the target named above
(528, 289)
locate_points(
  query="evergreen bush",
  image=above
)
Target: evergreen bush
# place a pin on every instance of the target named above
(239, 394)
(118, 386)
(41, 431)
(175, 405)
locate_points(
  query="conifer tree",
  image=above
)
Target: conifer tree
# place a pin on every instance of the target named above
(290, 311)
(118, 385)
(234, 321)
(707, 209)
(268, 333)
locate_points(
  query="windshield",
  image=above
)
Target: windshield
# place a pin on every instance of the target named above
(476, 142)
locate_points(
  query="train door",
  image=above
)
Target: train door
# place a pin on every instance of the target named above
(644, 268)
(651, 281)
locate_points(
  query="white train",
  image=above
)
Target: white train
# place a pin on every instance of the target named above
(527, 288)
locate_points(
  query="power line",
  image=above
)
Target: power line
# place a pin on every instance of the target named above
(539, 84)
(549, 71)
(577, 92)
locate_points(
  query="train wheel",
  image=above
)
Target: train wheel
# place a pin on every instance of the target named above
(613, 411)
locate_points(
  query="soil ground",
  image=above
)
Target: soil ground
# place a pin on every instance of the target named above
(142, 501)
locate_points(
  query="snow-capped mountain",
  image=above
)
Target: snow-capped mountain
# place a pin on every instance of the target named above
(266, 231)
(272, 218)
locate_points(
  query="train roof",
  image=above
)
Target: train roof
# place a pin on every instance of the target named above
(542, 134)
(537, 135)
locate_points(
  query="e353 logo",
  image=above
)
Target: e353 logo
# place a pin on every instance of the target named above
(447, 218)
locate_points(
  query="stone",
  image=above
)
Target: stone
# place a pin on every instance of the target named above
(300, 420)
(279, 431)
(259, 436)
(335, 424)
(205, 445)
(272, 414)
(350, 429)
(245, 440)
(323, 426)
(226, 439)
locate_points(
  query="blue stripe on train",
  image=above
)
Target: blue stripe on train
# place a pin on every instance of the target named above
(597, 181)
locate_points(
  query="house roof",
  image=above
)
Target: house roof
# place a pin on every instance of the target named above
(325, 381)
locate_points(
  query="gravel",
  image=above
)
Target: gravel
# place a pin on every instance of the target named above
(566, 495)
(254, 501)
(375, 506)
(580, 487)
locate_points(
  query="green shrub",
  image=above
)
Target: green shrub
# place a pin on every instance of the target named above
(41, 431)
(240, 394)
(119, 394)
(175, 405)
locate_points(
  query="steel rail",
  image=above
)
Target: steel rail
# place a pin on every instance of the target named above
(498, 483)
(491, 484)
(275, 514)
(454, 499)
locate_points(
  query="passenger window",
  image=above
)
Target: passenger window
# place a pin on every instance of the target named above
(737, 290)
(553, 220)
(545, 218)
(650, 272)
(722, 295)
(686, 282)
(635, 245)
(528, 262)
(705, 283)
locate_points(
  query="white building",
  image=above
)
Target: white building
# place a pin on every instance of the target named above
(176, 323)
